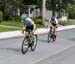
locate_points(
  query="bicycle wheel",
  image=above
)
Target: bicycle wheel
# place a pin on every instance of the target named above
(34, 43)
(49, 37)
(54, 37)
(25, 45)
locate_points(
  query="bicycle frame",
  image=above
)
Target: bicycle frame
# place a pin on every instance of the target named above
(51, 30)
(51, 35)
(29, 38)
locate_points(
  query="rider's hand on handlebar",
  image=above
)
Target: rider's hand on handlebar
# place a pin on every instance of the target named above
(23, 31)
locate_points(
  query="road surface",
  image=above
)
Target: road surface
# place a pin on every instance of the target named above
(60, 52)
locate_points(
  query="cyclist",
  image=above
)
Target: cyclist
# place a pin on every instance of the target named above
(28, 24)
(53, 22)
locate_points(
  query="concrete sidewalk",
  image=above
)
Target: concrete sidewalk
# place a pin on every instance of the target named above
(11, 34)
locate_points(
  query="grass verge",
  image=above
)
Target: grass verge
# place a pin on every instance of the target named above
(16, 24)
(11, 23)
(2, 29)
(65, 23)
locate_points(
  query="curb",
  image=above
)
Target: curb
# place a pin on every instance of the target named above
(38, 31)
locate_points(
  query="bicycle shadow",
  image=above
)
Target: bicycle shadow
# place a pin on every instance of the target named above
(11, 50)
(42, 40)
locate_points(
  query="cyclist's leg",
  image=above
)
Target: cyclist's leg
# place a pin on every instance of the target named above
(51, 26)
(32, 29)
(55, 29)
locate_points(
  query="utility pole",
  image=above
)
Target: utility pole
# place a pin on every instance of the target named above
(43, 11)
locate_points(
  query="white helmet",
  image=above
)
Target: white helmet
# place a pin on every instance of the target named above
(28, 19)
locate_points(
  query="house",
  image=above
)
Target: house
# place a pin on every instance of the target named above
(30, 10)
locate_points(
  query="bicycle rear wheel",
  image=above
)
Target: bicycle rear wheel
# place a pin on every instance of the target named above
(25, 46)
(34, 43)
(54, 37)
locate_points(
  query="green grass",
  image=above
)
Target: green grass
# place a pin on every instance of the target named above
(19, 24)
(16, 24)
(11, 23)
(37, 21)
(65, 23)
(8, 29)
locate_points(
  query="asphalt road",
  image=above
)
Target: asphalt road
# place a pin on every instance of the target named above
(60, 52)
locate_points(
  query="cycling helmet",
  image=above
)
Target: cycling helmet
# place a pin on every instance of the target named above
(53, 18)
(23, 16)
(28, 19)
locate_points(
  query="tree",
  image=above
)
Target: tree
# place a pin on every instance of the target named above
(43, 11)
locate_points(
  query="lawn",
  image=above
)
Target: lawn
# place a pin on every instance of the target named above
(11, 23)
(2, 29)
(15, 24)
(65, 23)
(38, 24)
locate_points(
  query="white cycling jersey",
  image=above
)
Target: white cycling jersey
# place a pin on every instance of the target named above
(55, 21)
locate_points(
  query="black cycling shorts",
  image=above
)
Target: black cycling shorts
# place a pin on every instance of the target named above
(53, 24)
(29, 28)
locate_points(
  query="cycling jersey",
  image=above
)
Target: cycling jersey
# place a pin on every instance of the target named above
(27, 23)
(53, 20)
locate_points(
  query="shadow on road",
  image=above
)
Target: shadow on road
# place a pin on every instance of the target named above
(11, 50)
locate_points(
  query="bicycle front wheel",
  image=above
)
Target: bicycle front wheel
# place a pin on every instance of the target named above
(49, 37)
(25, 45)
(34, 43)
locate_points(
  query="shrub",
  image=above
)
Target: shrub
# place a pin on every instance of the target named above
(64, 23)
(1, 16)
(71, 12)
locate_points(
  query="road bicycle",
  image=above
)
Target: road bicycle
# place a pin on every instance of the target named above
(29, 41)
(51, 35)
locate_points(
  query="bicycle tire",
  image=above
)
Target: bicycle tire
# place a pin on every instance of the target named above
(34, 43)
(49, 36)
(54, 38)
(23, 49)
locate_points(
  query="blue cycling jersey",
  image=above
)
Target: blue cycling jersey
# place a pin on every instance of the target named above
(27, 23)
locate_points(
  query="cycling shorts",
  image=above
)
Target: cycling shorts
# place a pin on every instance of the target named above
(29, 28)
(53, 24)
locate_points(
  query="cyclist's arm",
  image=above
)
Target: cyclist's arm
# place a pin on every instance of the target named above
(23, 26)
(49, 23)
(56, 23)
(34, 25)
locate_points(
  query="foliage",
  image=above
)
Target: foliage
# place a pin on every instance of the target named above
(12, 5)
(71, 11)
(19, 24)
(73, 2)
(11, 23)
(38, 22)
(64, 23)
(8, 29)
(69, 22)
(1, 16)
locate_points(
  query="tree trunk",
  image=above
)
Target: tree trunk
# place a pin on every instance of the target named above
(53, 7)
(43, 11)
